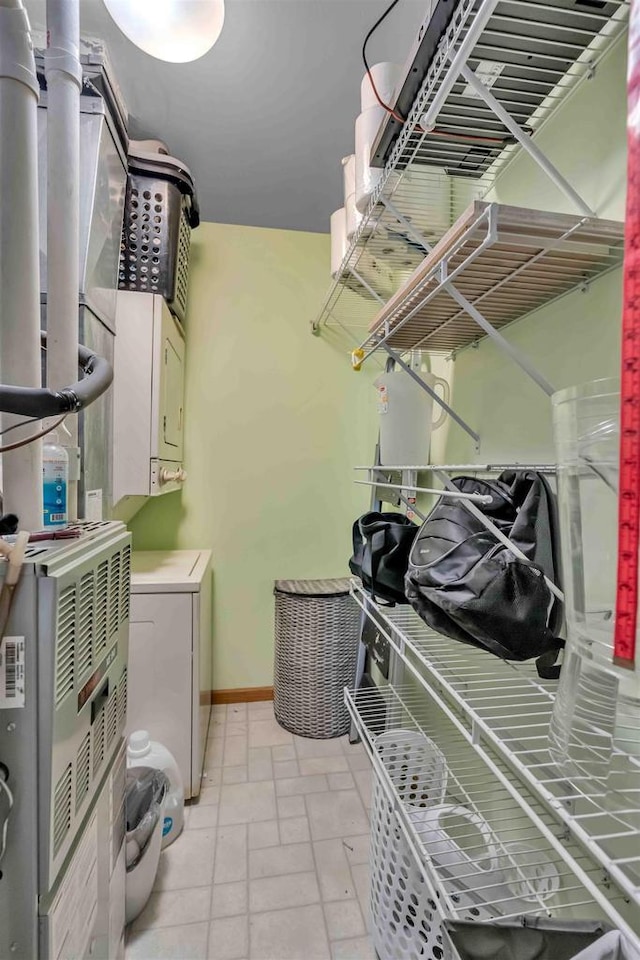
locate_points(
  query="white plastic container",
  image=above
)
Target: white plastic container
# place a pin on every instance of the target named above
(141, 878)
(55, 483)
(385, 76)
(367, 177)
(595, 728)
(339, 243)
(352, 215)
(144, 752)
(349, 175)
(406, 416)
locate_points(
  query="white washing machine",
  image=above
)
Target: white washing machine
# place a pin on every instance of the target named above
(170, 654)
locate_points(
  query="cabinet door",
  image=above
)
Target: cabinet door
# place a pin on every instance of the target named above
(160, 680)
(169, 385)
(173, 393)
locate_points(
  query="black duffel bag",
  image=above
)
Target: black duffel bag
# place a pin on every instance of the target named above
(467, 585)
(381, 546)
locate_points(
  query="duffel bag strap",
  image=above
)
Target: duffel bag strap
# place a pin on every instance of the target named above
(373, 552)
(546, 664)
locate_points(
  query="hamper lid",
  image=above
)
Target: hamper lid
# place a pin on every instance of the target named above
(164, 167)
(314, 588)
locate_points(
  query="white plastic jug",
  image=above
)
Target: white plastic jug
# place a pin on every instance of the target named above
(142, 751)
(406, 416)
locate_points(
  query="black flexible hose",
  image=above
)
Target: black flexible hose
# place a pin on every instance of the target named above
(40, 402)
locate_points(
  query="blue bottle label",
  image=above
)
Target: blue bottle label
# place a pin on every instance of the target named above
(54, 495)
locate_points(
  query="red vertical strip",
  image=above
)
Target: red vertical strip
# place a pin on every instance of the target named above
(629, 502)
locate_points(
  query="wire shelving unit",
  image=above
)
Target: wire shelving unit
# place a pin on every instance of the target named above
(437, 263)
(517, 865)
(507, 707)
(506, 261)
(460, 134)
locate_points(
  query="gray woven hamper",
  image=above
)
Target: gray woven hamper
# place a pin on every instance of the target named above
(316, 646)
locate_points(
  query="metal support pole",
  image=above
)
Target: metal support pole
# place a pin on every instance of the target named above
(432, 393)
(543, 162)
(19, 253)
(516, 355)
(361, 662)
(63, 73)
(376, 296)
(411, 230)
(448, 494)
(458, 60)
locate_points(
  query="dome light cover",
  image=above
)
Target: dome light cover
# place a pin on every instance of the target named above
(176, 31)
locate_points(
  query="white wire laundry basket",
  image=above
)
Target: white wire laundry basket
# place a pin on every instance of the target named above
(316, 648)
(406, 914)
(407, 909)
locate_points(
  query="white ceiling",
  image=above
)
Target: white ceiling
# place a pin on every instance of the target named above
(264, 118)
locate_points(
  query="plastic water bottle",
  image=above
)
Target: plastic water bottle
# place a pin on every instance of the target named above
(595, 727)
(142, 751)
(55, 480)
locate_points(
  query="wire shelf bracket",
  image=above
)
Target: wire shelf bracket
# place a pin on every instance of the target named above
(509, 259)
(434, 396)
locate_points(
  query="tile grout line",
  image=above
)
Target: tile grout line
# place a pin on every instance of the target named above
(315, 866)
(247, 881)
(222, 731)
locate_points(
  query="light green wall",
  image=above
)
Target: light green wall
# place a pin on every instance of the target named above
(575, 339)
(275, 420)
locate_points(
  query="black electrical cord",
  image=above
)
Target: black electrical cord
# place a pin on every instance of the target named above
(501, 141)
(380, 20)
(22, 423)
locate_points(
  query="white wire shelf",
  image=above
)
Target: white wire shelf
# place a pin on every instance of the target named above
(540, 50)
(431, 176)
(506, 261)
(494, 861)
(507, 707)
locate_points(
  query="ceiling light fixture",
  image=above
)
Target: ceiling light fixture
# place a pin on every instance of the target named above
(173, 30)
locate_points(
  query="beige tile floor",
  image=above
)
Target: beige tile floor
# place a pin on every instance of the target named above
(273, 862)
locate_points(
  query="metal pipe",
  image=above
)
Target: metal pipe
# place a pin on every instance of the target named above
(41, 402)
(543, 162)
(19, 251)
(64, 81)
(458, 60)
(448, 494)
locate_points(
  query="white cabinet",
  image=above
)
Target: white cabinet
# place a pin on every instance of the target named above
(170, 654)
(148, 398)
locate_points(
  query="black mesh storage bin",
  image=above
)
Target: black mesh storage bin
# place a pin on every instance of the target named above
(160, 212)
(316, 646)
